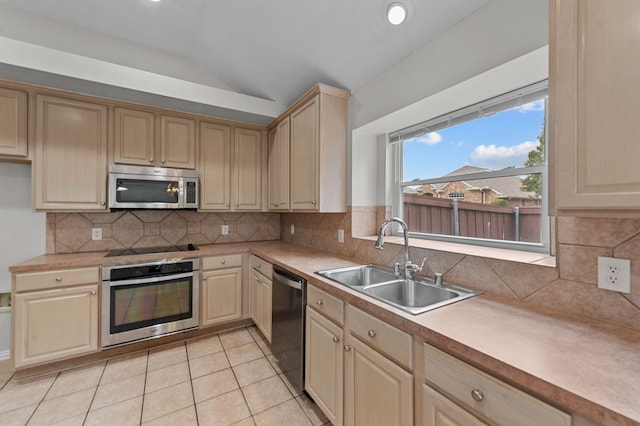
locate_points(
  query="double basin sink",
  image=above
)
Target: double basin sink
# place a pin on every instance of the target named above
(415, 295)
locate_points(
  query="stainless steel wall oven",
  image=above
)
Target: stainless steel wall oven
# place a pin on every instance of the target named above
(146, 300)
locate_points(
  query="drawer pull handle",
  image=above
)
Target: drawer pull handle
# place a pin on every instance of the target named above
(58, 279)
(371, 333)
(347, 348)
(319, 302)
(477, 395)
(335, 339)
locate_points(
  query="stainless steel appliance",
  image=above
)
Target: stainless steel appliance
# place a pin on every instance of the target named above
(151, 299)
(137, 187)
(289, 295)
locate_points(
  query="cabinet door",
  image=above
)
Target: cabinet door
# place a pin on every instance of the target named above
(177, 142)
(13, 123)
(439, 410)
(247, 174)
(255, 298)
(266, 311)
(133, 137)
(70, 164)
(377, 390)
(279, 166)
(324, 365)
(55, 324)
(304, 156)
(593, 116)
(221, 296)
(215, 167)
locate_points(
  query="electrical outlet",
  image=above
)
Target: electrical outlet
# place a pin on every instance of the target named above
(341, 235)
(225, 230)
(96, 234)
(292, 229)
(614, 274)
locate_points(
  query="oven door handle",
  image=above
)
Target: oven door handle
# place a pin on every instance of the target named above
(151, 280)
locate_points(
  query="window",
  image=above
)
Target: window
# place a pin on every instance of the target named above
(477, 175)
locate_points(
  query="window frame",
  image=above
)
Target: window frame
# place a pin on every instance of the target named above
(499, 103)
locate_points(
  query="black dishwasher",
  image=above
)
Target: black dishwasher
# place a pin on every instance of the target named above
(289, 295)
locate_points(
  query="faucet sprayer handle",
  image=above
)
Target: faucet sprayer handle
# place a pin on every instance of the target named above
(424, 260)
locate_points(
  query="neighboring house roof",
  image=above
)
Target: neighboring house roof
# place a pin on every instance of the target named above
(504, 187)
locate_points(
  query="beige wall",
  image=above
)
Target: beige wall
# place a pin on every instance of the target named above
(571, 287)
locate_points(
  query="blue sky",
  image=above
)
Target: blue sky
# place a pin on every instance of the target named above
(493, 142)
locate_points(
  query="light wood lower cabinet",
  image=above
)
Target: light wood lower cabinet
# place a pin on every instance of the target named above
(480, 394)
(377, 390)
(440, 410)
(261, 295)
(324, 366)
(221, 290)
(55, 315)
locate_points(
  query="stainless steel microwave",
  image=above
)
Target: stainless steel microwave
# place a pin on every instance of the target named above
(137, 187)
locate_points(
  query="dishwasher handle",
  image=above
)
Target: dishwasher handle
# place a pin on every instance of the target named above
(287, 278)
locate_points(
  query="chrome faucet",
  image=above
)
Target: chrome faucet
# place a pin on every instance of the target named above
(409, 268)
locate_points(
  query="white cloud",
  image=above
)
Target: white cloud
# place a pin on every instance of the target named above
(432, 138)
(498, 157)
(532, 106)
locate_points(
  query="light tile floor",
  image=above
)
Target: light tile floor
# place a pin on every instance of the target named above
(223, 379)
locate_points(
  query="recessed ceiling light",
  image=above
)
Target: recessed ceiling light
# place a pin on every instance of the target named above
(155, 1)
(396, 13)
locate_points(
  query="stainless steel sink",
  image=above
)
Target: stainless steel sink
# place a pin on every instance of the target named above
(415, 296)
(359, 276)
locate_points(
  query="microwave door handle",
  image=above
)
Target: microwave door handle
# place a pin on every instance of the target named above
(151, 280)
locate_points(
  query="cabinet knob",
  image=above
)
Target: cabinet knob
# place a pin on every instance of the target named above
(313, 202)
(151, 160)
(58, 279)
(237, 204)
(319, 302)
(371, 333)
(477, 395)
(347, 348)
(102, 203)
(226, 204)
(162, 161)
(223, 261)
(93, 292)
(335, 339)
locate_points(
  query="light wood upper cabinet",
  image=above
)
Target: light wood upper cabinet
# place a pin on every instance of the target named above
(215, 166)
(279, 163)
(247, 174)
(137, 141)
(230, 167)
(13, 124)
(177, 142)
(134, 137)
(70, 161)
(318, 151)
(594, 130)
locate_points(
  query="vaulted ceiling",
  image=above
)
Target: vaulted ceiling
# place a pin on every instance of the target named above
(273, 50)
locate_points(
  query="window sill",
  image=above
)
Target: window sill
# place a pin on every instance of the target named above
(519, 256)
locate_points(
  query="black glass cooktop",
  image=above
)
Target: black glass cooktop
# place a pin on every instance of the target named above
(148, 250)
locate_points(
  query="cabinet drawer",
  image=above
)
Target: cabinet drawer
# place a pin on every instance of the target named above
(487, 396)
(323, 302)
(262, 266)
(385, 337)
(54, 279)
(218, 262)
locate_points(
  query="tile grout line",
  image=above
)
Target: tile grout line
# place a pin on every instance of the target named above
(43, 397)
(193, 394)
(86, 415)
(144, 386)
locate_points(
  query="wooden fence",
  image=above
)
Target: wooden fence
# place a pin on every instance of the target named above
(441, 216)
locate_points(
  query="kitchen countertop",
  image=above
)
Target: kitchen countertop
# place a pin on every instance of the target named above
(588, 367)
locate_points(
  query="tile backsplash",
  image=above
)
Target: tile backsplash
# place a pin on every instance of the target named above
(71, 232)
(570, 287)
